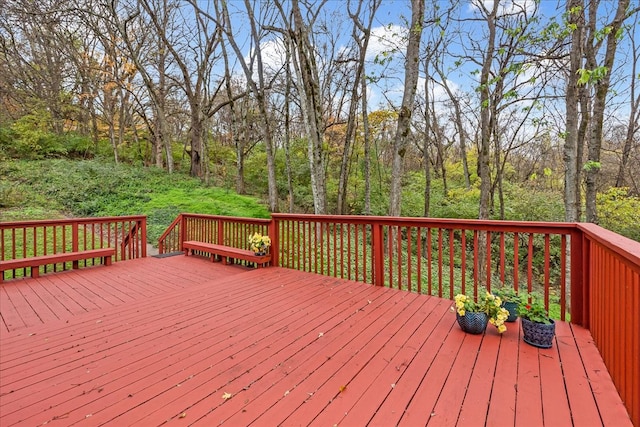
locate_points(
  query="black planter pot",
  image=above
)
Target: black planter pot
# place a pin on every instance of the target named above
(538, 334)
(473, 322)
(512, 308)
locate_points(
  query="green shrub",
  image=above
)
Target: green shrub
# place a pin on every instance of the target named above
(620, 212)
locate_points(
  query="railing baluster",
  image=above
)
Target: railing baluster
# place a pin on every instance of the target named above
(476, 263)
(463, 261)
(419, 257)
(547, 273)
(563, 276)
(516, 261)
(451, 263)
(440, 258)
(530, 264)
(502, 257)
(399, 255)
(409, 256)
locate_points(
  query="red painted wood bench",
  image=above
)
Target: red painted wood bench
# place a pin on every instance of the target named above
(225, 252)
(34, 262)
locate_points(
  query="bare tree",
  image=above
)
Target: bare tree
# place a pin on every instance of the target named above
(575, 13)
(360, 34)
(633, 126)
(308, 87)
(258, 89)
(601, 85)
(149, 53)
(588, 86)
(411, 66)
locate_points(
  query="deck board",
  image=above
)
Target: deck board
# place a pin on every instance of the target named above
(150, 341)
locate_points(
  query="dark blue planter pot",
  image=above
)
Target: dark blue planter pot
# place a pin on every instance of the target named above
(472, 322)
(512, 308)
(538, 334)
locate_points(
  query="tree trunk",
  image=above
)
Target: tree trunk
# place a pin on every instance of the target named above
(362, 42)
(570, 155)
(311, 104)
(486, 119)
(602, 84)
(287, 134)
(367, 146)
(196, 142)
(411, 69)
(425, 146)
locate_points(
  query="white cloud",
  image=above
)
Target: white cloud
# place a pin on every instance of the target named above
(273, 55)
(385, 39)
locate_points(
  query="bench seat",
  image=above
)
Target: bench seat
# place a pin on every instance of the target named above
(225, 252)
(34, 262)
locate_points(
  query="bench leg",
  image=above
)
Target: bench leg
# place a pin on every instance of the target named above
(106, 260)
(35, 272)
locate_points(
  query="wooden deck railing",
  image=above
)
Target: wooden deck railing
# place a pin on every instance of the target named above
(221, 230)
(612, 297)
(127, 235)
(581, 269)
(436, 256)
(586, 274)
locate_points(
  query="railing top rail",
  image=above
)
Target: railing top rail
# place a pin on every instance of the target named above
(472, 224)
(68, 221)
(229, 218)
(170, 228)
(620, 245)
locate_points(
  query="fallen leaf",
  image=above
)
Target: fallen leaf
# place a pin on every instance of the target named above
(342, 388)
(286, 392)
(182, 415)
(226, 395)
(320, 334)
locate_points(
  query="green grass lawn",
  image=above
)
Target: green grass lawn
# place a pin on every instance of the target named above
(62, 188)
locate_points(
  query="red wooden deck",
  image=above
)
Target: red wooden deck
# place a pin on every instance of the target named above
(186, 341)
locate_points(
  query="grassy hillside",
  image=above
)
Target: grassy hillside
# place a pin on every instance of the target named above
(58, 188)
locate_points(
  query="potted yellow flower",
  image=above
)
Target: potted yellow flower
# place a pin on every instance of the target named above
(259, 244)
(473, 316)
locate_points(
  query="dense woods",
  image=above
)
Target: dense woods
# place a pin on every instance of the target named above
(358, 107)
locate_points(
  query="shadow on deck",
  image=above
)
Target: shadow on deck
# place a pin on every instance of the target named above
(183, 340)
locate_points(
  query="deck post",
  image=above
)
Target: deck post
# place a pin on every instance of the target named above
(182, 231)
(378, 254)
(275, 242)
(74, 246)
(143, 237)
(578, 288)
(220, 239)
